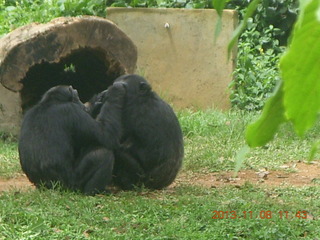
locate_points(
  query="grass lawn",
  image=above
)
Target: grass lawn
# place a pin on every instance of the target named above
(186, 210)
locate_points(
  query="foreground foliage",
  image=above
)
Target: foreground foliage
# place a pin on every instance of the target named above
(297, 99)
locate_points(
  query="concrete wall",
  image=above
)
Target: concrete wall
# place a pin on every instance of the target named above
(182, 61)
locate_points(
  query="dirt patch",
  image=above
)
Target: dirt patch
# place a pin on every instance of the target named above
(20, 183)
(293, 174)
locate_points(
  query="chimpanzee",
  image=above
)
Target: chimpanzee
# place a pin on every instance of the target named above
(93, 106)
(61, 143)
(151, 149)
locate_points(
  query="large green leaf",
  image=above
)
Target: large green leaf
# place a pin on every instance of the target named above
(300, 68)
(219, 6)
(250, 10)
(298, 97)
(240, 158)
(264, 129)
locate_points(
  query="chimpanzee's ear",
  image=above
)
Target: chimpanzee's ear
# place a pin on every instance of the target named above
(144, 88)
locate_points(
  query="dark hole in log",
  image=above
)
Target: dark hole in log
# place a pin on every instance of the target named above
(88, 70)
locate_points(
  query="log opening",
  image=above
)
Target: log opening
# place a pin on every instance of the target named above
(85, 69)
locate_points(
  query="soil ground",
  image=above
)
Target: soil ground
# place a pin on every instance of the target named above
(293, 174)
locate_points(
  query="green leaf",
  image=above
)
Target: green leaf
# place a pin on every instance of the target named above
(219, 6)
(264, 129)
(300, 68)
(240, 157)
(199, 5)
(313, 151)
(218, 28)
(250, 10)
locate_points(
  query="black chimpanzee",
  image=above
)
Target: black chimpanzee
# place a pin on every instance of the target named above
(151, 149)
(61, 143)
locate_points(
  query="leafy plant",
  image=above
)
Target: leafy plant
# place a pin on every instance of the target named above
(279, 13)
(298, 97)
(17, 13)
(259, 49)
(257, 68)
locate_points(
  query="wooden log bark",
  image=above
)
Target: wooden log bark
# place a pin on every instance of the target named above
(49, 43)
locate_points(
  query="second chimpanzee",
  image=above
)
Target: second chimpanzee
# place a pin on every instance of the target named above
(151, 149)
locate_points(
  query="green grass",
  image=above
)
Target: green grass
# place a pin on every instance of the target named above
(212, 140)
(185, 213)
(9, 159)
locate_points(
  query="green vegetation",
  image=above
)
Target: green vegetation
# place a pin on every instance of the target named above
(297, 97)
(9, 159)
(214, 138)
(185, 213)
(262, 37)
(16, 13)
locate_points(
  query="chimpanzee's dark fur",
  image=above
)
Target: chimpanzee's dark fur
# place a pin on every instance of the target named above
(60, 142)
(151, 150)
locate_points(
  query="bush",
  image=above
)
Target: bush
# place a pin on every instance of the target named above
(259, 49)
(257, 68)
(16, 13)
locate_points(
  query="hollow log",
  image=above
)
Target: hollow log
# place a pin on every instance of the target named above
(85, 52)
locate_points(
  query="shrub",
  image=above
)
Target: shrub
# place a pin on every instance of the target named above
(257, 68)
(16, 13)
(259, 49)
